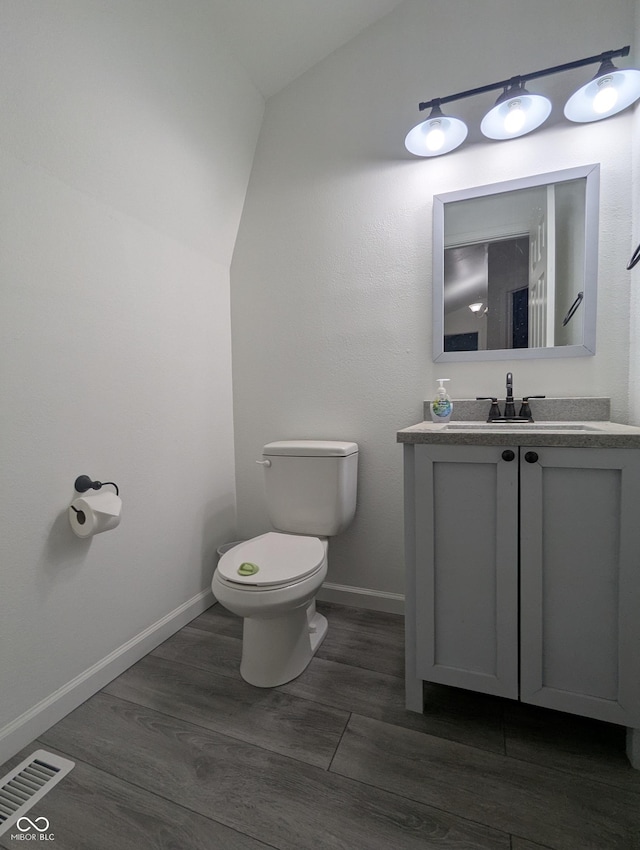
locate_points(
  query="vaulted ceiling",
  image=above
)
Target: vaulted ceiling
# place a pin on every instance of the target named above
(277, 40)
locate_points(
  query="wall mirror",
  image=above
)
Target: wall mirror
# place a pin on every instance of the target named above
(515, 268)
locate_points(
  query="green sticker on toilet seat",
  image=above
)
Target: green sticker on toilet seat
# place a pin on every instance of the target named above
(247, 569)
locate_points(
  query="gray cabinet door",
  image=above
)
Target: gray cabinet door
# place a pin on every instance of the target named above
(466, 567)
(580, 582)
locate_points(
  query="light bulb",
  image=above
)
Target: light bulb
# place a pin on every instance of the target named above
(606, 97)
(514, 119)
(435, 137)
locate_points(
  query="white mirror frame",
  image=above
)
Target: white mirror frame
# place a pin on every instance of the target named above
(592, 201)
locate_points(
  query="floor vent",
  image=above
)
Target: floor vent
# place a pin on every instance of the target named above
(26, 784)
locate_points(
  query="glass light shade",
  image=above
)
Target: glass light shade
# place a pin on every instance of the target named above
(437, 135)
(608, 93)
(515, 115)
(476, 306)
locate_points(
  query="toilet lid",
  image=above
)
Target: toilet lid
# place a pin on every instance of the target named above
(279, 558)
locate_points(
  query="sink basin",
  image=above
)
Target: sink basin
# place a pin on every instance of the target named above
(519, 426)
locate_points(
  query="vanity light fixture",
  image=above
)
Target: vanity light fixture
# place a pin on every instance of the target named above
(609, 92)
(476, 307)
(437, 135)
(517, 111)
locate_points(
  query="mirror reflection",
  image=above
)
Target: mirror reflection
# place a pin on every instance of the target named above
(514, 268)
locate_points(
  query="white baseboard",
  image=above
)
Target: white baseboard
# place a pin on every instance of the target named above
(362, 597)
(32, 723)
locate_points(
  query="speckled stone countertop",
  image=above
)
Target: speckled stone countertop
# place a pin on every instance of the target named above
(576, 423)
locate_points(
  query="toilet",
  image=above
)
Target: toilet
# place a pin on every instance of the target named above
(272, 580)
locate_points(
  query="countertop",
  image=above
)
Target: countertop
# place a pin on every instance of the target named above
(600, 434)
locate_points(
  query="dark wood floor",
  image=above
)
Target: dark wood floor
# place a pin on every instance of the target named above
(179, 752)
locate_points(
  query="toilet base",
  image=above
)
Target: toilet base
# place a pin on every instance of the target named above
(276, 650)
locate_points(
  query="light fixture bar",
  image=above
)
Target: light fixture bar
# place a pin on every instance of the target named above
(522, 78)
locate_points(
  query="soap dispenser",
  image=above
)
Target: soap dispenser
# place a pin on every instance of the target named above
(441, 406)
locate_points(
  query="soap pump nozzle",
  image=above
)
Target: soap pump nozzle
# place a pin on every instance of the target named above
(441, 390)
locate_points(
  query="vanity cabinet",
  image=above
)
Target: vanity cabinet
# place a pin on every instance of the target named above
(523, 575)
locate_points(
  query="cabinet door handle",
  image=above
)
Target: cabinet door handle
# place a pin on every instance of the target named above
(507, 454)
(531, 457)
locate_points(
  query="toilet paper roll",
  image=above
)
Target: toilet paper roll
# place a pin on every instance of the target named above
(91, 515)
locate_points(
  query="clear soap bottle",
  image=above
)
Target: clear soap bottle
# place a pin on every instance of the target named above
(441, 406)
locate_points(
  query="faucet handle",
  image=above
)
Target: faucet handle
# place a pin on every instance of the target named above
(525, 410)
(494, 413)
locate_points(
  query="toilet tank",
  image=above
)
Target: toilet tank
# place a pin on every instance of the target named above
(311, 485)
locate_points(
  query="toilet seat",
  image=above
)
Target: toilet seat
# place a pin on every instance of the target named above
(281, 559)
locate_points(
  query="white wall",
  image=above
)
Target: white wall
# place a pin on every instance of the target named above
(634, 274)
(126, 142)
(331, 277)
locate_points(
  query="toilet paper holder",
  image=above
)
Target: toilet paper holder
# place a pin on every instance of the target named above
(84, 483)
(91, 515)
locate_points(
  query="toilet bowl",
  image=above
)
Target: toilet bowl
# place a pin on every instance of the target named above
(271, 581)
